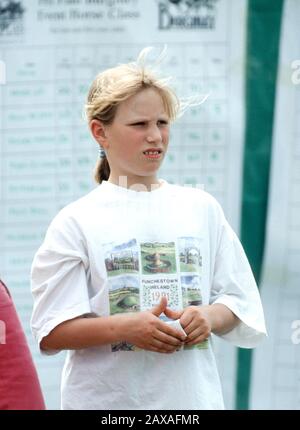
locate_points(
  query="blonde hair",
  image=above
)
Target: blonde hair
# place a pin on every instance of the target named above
(115, 85)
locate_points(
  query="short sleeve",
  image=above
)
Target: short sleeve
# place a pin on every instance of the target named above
(234, 286)
(59, 278)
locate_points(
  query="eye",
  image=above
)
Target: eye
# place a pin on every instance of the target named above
(163, 122)
(138, 124)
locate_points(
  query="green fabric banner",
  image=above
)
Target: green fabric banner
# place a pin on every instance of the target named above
(263, 37)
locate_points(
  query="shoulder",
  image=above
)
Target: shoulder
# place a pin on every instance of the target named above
(72, 214)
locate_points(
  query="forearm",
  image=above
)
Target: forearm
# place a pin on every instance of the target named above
(222, 318)
(82, 333)
(143, 329)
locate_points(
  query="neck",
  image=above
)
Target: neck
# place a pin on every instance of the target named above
(137, 183)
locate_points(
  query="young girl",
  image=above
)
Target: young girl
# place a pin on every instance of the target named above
(133, 278)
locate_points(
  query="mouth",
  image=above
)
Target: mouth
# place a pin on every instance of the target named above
(153, 154)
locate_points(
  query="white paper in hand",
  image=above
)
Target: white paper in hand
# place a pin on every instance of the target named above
(176, 324)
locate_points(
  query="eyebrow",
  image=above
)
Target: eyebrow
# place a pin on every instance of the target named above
(164, 118)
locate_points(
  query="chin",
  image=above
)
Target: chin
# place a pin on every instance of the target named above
(148, 173)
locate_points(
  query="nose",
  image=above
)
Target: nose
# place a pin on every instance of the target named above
(154, 134)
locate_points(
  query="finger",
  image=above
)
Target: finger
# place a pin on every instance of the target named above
(171, 331)
(174, 315)
(153, 349)
(165, 338)
(186, 319)
(202, 331)
(198, 339)
(160, 308)
(162, 346)
(192, 326)
(196, 327)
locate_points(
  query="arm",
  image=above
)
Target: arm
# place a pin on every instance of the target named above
(143, 329)
(200, 321)
(222, 319)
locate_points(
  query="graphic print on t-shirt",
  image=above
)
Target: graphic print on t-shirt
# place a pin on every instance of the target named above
(159, 275)
(191, 291)
(140, 274)
(122, 258)
(158, 258)
(190, 254)
(191, 296)
(124, 295)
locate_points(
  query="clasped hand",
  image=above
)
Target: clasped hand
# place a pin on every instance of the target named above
(147, 331)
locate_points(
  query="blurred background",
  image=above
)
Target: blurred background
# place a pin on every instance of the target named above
(242, 145)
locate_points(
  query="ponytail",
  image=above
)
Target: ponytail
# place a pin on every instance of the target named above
(102, 170)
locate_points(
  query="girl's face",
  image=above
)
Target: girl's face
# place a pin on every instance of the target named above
(137, 140)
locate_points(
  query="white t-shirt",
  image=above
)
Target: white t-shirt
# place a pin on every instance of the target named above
(119, 250)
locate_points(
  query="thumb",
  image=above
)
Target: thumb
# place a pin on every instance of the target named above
(160, 308)
(174, 315)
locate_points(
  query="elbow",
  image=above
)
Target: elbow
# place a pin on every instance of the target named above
(61, 337)
(50, 343)
(44, 344)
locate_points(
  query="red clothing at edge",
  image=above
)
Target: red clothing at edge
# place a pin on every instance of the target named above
(19, 384)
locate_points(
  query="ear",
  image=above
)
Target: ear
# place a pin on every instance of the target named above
(98, 131)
